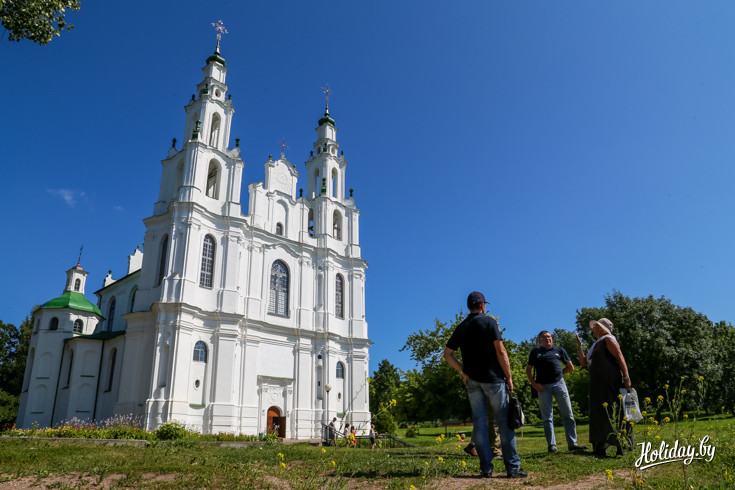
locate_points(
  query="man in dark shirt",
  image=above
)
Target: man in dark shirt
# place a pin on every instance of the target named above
(551, 363)
(485, 369)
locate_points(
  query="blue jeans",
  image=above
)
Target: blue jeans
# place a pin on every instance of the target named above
(559, 391)
(497, 400)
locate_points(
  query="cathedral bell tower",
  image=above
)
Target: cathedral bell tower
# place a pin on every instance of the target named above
(205, 170)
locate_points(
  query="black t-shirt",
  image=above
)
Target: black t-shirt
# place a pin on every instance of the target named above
(548, 363)
(475, 337)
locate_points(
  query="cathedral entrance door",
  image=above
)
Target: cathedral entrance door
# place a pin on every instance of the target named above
(273, 422)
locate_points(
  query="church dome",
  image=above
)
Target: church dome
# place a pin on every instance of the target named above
(216, 58)
(73, 300)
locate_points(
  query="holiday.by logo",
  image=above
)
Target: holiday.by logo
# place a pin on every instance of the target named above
(668, 454)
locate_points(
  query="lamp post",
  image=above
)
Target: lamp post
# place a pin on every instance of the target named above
(328, 388)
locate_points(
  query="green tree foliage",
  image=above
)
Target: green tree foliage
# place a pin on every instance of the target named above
(13, 353)
(662, 341)
(383, 385)
(36, 20)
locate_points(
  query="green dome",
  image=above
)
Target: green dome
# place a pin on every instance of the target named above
(326, 119)
(217, 58)
(75, 301)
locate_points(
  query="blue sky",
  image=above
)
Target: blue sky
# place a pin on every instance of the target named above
(545, 153)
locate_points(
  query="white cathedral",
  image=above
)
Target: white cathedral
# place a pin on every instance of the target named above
(228, 322)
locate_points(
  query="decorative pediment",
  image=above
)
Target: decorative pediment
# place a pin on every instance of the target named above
(281, 176)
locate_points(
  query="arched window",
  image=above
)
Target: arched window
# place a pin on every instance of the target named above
(54, 324)
(71, 364)
(77, 285)
(279, 229)
(339, 286)
(205, 278)
(214, 130)
(334, 182)
(340, 371)
(78, 326)
(212, 179)
(200, 352)
(337, 225)
(163, 259)
(111, 315)
(113, 358)
(311, 222)
(278, 301)
(132, 299)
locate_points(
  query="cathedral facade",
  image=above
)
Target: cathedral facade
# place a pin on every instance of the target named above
(226, 322)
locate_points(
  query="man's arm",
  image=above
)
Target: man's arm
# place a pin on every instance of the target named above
(536, 386)
(454, 362)
(568, 368)
(504, 362)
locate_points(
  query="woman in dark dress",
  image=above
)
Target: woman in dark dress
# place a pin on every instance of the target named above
(608, 373)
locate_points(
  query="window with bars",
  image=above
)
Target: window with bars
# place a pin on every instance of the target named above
(111, 376)
(339, 304)
(337, 225)
(77, 285)
(111, 315)
(200, 352)
(163, 259)
(278, 300)
(205, 278)
(78, 326)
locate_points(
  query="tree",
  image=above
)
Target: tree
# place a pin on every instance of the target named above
(13, 353)
(36, 20)
(662, 342)
(383, 385)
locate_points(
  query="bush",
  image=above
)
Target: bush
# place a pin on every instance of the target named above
(170, 431)
(412, 432)
(384, 423)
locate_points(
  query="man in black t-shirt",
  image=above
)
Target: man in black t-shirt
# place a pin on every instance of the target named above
(485, 369)
(551, 363)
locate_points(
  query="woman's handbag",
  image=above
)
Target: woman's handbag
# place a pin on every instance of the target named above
(516, 419)
(632, 409)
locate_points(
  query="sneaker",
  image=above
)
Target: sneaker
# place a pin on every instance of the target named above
(470, 449)
(552, 448)
(486, 475)
(578, 448)
(519, 473)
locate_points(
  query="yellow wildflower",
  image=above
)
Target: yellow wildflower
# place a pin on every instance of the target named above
(682, 378)
(440, 459)
(646, 400)
(426, 463)
(324, 450)
(283, 465)
(604, 404)
(658, 437)
(701, 378)
(666, 387)
(333, 463)
(280, 455)
(683, 391)
(609, 475)
(464, 464)
(655, 422)
(660, 398)
(667, 420)
(620, 396)
(412, 487)
(643, 412)
(686, 416)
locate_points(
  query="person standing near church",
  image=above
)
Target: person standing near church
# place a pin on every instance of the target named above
(485, 369)
(552, 363)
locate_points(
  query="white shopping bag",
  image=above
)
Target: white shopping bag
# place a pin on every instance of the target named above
(631, 406)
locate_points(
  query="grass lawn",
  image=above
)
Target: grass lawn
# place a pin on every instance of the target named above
(64, 463)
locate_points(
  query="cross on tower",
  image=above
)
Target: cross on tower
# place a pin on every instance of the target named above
(283, 146)
(327, 92)
(220, 28)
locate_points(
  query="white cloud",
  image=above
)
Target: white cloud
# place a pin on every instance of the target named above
(69, 196)
(118, 208)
